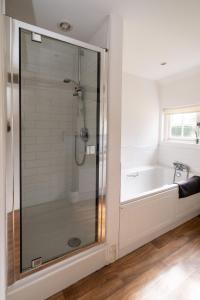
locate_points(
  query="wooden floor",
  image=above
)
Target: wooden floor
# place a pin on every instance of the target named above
(167, 268)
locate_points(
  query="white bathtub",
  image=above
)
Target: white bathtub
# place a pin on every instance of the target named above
(145, 181)
(150, 206)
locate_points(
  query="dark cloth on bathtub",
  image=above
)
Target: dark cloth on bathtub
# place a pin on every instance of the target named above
(189, 187)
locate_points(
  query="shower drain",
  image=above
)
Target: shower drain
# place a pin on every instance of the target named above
(74, 242)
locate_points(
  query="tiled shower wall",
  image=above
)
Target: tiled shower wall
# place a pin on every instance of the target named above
(49, 122)
(87, 173)
(47, 144)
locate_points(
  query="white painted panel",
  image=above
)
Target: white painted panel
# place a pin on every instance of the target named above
(140, 218)
(185, 206)
(42, 285)
(143, 220)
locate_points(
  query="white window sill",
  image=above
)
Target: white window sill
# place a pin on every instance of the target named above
(181, 144)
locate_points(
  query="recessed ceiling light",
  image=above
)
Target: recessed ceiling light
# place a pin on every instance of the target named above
(163, 63)
(65, 26)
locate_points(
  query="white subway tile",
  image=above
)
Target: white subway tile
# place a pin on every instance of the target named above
(36, 164)
(29, 172)
(26, 140)
(28, 156)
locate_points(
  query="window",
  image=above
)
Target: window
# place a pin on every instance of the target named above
(182, 124)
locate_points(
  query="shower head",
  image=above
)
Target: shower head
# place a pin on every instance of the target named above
(77, 89)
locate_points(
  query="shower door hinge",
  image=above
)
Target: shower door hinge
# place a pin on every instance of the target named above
(36, 37)
(36, 262)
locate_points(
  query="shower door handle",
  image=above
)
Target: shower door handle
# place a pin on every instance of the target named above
(8, 126)
(136, 174)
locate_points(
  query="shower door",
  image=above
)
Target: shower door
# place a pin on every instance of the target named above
(60, 143)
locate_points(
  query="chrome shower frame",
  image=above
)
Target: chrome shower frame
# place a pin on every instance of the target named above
(13, 141)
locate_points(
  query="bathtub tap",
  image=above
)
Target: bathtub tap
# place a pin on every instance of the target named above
(135, 174)
(180, 167)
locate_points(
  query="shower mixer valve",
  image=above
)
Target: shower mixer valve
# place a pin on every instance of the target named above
(78, 91)
(84, 134)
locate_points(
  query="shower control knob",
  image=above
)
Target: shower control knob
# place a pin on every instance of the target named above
(91, 149)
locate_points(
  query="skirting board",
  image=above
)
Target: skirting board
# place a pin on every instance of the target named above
(157, 232)
(49, 281)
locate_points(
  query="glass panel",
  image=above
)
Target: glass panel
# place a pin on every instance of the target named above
(188, 131)
(176, 131)
(183, 125)
(59, 148)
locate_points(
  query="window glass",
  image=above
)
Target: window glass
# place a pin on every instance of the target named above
(182, 125)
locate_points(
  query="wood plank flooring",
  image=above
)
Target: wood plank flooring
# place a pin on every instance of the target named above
(167, 268)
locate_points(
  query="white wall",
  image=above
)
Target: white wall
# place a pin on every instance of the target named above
(21, 10)
(110, 36)
(2, 158)
(101, 36)
(188, 154)
(140, 117)
(179, 90)
(114, 132)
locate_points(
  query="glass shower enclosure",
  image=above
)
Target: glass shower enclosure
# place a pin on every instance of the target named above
(58, 136)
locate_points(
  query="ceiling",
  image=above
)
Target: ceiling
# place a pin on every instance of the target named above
(155, 31)
(84, 15)
(162, 31)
